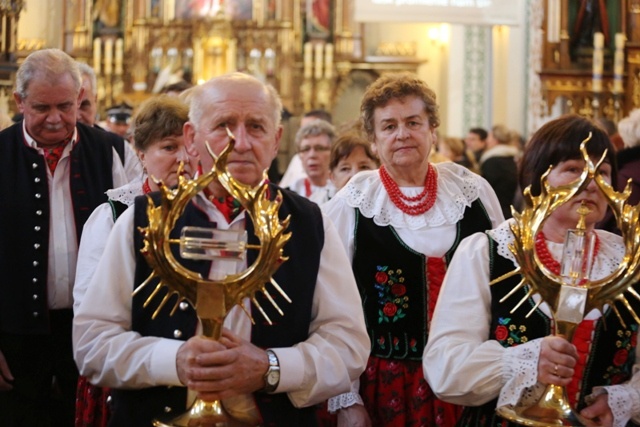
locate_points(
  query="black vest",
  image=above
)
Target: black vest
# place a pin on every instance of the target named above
(394, 284)
(25, 218)
(297, 277)
(613, 348)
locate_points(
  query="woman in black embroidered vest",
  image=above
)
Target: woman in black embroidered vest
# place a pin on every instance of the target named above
(399, 225)
(159, 142)
(482, 356)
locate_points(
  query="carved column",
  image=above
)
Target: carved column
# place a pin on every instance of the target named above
(9, 15)
(633, 20)
(137, 47)
(565, 59)
(348, 39)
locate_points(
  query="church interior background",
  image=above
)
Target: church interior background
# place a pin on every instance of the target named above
(517, 63)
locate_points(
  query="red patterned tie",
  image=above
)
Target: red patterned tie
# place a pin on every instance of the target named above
(228, 206)
(52, 155)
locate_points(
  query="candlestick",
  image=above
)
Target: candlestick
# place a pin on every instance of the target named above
(108, 57)
(119, 56)
(598, 61)
(307, 60)
(618, 63)
(156, 59)
(270, 62)
(232, 52)
(328, 61)
(553, 21)
(318, 62)
(97, 47)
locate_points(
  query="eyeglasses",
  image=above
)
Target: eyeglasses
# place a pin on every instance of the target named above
(317, 148)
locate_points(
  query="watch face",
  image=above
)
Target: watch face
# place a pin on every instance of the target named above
(273, 377)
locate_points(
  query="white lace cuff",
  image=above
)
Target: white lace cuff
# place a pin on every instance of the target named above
(623, 402)
(520, 373)
(344, 401)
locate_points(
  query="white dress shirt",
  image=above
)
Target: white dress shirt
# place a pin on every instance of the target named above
(63, 246)
(110, 354)
(431, 234)
(319, 195)
(95, 234)
(294, 172)
(463, 367)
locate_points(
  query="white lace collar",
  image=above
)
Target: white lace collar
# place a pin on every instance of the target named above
(609, 256)
(457, 189)
(127, 193)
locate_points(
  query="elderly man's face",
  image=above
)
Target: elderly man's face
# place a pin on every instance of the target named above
(246, 110)
(50, 109)
(88, 107)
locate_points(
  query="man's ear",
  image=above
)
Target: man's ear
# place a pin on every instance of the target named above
(279, 132)
(19, 101)
(189, 133)
(80, 95)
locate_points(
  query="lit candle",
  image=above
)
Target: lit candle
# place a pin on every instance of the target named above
(318, 62)
(598, 44)
(97, 47)
(108, 57)
(553, 21)
(270, 62)
(328, 61)
(119, 56)
(232, 53)
(618, 63)
(307, 60)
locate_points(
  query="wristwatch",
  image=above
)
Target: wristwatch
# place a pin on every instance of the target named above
(272, 376)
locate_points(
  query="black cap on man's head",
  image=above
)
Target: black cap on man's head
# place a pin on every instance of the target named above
(120, 113)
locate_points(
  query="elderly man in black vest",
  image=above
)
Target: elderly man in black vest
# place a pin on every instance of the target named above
(53, 173)
(87, 115)
(317, 347)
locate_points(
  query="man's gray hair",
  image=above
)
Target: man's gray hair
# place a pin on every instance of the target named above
(199, 96)
(48, 64)
(87, 71)
(315, 128)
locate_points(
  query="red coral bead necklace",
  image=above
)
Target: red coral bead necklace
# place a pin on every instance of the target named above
(417, 204)
(547, 259)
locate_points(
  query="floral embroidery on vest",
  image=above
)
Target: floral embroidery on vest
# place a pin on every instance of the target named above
(624, 356)
(508, 334)
(391, 294)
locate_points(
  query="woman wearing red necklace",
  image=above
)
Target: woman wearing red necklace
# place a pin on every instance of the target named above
(483, 356)
(400, 225)
(159, 142)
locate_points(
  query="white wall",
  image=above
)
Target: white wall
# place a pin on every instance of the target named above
(444, 70)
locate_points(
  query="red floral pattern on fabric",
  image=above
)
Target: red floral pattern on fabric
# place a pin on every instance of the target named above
(53, 154)
(396, 394)
(624, 357)
(92, 409)
(391, 294)
(509, 334)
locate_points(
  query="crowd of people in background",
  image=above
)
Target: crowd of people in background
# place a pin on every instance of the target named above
(397, 231)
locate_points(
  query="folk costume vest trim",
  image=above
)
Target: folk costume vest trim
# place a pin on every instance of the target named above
(297, 277)
(25, 217)
(399, 287)
(608, 354)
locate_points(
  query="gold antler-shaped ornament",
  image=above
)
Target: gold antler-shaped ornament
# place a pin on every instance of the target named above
(554, 408)
(213, 299)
